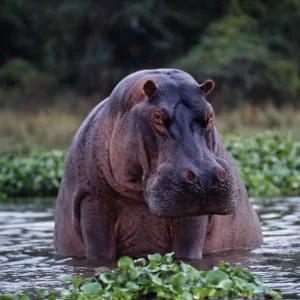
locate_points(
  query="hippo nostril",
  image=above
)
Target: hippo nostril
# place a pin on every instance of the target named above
(222, 174)
(189, 175)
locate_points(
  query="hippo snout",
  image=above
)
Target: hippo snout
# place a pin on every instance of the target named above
(176, 191)
(206, 180)
(208, 175)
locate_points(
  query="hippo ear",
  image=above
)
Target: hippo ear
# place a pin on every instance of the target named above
(149, 88)
(207, 86)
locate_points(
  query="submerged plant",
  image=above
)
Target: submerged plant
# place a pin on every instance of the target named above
(160, 278)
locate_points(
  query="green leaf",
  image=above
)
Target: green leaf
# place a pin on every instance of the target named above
(186, 296)
(91, 288)
(259, 289)
(77, 281)
(6, 297)
(140, 261)
(169, 257)
(225, 284)
(132, 286)
(136, 272)
(65, 293)
(119, 294)
(193, 274)
(212, 293)
(224, 267)
(200, 292)
(156, 257)
(155, 279)
(178, 281)
(42, 293)
(107, 277)
(239, 283)
(125, 263)
(65, 278)
(247, 276)
(216, 276)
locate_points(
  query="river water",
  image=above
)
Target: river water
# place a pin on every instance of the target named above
(27, 256)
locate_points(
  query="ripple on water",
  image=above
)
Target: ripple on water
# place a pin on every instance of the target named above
(27, 254)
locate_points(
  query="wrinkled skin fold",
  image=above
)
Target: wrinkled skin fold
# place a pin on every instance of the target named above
(147, 172)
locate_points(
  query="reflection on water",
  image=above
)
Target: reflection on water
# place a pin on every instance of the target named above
(27, 256)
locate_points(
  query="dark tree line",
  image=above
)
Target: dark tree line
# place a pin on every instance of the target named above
(251, 48)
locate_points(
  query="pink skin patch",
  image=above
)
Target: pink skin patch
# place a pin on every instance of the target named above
(222, 174)
(189, 175)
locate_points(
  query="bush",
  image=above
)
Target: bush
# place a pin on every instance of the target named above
(269, 165)
(39, 174)
(161, 278)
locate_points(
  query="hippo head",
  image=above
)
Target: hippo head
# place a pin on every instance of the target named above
(167, 135)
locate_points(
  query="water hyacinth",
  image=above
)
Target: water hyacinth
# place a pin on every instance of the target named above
(38, 174)
(269, 165)
(159, 278)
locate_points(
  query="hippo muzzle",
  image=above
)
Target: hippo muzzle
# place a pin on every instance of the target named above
(174, 190)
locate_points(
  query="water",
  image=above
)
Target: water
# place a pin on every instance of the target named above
(27, 256)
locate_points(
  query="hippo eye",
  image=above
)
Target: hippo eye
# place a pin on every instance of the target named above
(160, 122)
(157, 118)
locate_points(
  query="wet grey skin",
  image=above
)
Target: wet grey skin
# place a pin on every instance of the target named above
(148, 173)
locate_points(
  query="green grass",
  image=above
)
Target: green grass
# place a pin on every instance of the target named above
(248, 121)
(22, 131)
(160, 278)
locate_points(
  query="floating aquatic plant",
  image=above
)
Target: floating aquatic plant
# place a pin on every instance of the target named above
(159, 278)
(269, 165)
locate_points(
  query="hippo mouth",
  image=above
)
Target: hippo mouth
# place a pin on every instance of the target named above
(171, 198)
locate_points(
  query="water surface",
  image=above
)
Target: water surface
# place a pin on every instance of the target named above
(27, 255)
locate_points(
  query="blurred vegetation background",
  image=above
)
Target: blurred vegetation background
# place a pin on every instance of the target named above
(59, 58)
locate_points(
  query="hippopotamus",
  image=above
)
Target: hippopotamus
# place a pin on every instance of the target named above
(147, 173)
